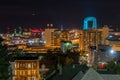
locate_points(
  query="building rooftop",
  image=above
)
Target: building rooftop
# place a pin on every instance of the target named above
(110, 77)
(92, 74)
(69, 72)
(78, 72)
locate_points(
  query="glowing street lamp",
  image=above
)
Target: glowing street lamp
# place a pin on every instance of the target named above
(112, 51)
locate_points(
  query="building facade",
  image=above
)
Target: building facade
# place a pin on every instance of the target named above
(60, 35)
(82, 39)
(49, 37)
(26, 70)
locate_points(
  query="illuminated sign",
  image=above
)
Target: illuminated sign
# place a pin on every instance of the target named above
(36, 30)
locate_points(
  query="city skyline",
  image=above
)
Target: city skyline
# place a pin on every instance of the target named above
(59, 39)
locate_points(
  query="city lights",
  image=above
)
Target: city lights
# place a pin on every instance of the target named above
(60, 40)
(74, 43)
(112, 51)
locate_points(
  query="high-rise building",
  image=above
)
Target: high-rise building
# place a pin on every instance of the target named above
(86, 40)
(75, 37)
(60, 35)
(110, 37)
(82, 39)
(105, 33)
(114, 40)
(49, 37)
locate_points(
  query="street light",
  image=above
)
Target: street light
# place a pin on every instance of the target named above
(112, 51)
(113, 54)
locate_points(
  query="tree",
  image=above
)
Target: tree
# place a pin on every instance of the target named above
(4, 61)
(68, 60)
(114, 67)
(74, 55)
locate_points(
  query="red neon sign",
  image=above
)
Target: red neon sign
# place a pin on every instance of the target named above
(36, 30)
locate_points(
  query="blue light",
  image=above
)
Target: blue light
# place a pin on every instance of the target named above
(94, 25)
(110, 36)
(112, 51)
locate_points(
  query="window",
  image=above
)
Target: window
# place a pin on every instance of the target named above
(15, 65)
(29, 78)
(23, 65)
(29, 65)
(34, 65)
(29, 73)
(20, 64)
(34, 72)
(23, 72)
(15, 72)
(20, 72)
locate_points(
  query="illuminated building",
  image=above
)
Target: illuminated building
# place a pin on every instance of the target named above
(110, 37)
(12, 47)
(91, 38)
(49, 37)
(26, 70)
(86, 20)
(114, 40)
(105, 32)
(21, 46)
(82, 39)
(85, 40)
(66, 45)
(54, 37)
(60, 35)
(26, 34)
(31, 37)
(74, 37)
(36, 37)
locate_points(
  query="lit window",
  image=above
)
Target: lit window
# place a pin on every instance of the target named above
(15, 72)
(34, 72)
(29, 78)
(29, 73)
(15, 65)
(29, 65)
(23, 72)
(20, 65)
(20, 72)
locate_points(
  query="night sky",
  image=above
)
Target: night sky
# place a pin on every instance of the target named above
(69, 13)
